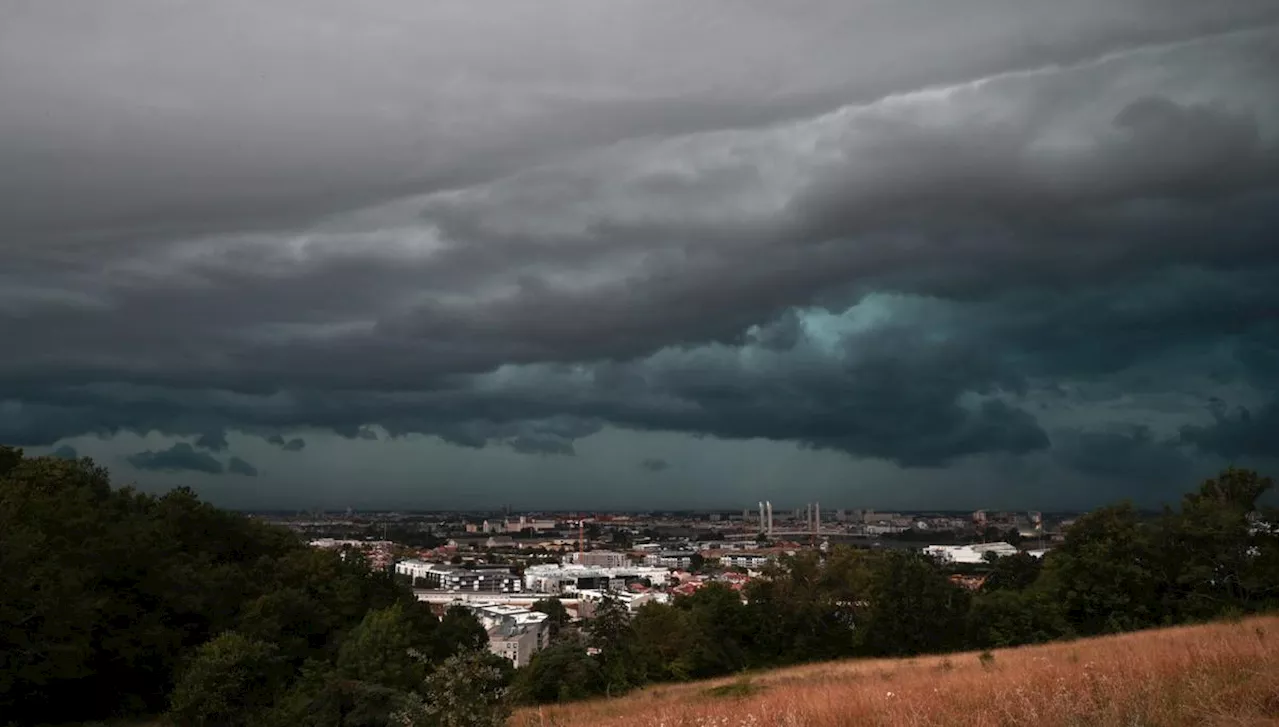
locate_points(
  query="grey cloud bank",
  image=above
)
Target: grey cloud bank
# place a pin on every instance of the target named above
(909, 233)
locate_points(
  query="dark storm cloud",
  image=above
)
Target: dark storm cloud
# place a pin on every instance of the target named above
(654, 464)
(292, 445)
(1128, 455)
(901, 391)
(1242, 434)
(975, 173)
(181, 457)
(106, 139)
(754, 236)
(66, 451)
(215, 440)
(237, 466)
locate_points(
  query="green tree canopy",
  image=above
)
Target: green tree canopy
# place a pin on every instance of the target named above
(228, 681)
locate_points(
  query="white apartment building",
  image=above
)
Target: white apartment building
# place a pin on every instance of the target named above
(445, 577)
(570, 578)
(750, 561)
(670, 559)
(515, 633)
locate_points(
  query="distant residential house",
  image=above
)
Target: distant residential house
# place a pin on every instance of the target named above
(968, 582)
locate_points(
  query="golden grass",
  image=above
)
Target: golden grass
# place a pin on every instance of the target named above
(1217, 674)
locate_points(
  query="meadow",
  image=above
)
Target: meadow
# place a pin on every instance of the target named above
(1214, 674)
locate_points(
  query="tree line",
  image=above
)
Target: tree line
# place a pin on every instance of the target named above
(116, 603)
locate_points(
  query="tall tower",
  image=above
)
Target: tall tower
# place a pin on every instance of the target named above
(768, 508)
(761, 506)
(817, 517)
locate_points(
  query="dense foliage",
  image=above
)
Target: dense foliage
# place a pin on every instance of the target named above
(114, 602)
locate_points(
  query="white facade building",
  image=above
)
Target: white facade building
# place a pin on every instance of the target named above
(744, 560)
(599, 558)
(445, 577)
(570, 578)
(515, 633)
(970, 554)
(670, 559)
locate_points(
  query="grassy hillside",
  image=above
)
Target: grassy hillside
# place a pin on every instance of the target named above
(1219, 674)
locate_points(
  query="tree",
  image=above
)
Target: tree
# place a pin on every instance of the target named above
(1221, 549)
(557, 614)
(609, 630)
(714, 617)
(323, 698)
(294, 621)
(1009, 617)
(459, 631)
(378, 651)
(468, 690)
(663, 643)
(914, 608)
(1012, 572)
(228, 681)
(1103, 574)
(562, 672)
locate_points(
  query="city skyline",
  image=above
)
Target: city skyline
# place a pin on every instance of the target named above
(905, 254)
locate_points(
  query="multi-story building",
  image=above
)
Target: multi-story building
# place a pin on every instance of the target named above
(670, 559)
(515, 633)
(600, 558)
(744, 560)
(572, 578)
(444, 577)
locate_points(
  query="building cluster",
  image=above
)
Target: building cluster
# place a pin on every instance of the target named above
(512, 525)
(380, 554)
(499, 566)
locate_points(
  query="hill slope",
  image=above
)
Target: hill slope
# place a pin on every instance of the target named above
(1214, 674)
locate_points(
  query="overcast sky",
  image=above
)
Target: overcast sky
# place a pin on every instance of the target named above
(644, 253)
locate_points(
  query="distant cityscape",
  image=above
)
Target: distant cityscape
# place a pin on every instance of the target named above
(501, 564)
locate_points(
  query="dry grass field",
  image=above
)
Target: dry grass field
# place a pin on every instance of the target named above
(1218, 674)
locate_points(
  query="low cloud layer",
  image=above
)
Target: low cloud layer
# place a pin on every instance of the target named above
(290, 445)
(654, 464)
(181, 457)
(881, 231)
(237, 466)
